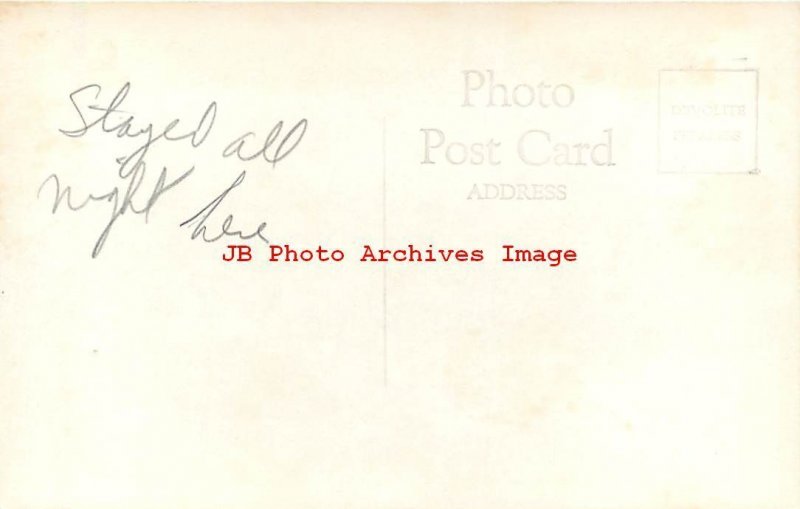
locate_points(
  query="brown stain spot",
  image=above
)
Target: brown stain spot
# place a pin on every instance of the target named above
(533, 411)
(474, 332)
(10, 10)
(594, 74)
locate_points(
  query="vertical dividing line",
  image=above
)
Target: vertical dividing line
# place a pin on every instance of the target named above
(756, 169)
(385, 340)
(658, 126)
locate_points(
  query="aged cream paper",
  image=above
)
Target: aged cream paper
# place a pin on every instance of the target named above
(639, 351)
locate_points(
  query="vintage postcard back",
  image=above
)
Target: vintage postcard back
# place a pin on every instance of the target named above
(399, 256)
